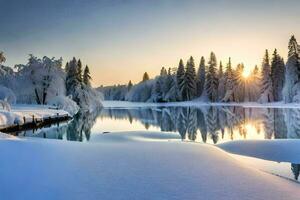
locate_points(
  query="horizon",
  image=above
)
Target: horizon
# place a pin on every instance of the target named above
(119, 40)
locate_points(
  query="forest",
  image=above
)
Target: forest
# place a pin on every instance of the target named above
(275, 80)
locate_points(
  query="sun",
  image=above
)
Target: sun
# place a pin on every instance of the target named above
(246, 73)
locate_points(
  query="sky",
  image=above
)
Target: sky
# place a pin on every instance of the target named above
(121, 39)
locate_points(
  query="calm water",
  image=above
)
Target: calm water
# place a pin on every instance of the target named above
(212, 125)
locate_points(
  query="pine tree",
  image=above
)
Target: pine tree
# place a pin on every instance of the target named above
(239, 83)
(201, 77)
(163, 72)
(266, 94)
(79, 71)
(145, 77)
(180, 79)
(277, 75)
(292, 71)
(129, 86)
(87, 76)
(211, 83)
(2, 58)
(229, 84)
(71, 76)
(221, 86)
(190, 80)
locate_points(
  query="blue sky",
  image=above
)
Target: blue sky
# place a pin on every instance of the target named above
(120, 40)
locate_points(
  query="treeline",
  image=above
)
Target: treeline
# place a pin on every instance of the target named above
(273, 81)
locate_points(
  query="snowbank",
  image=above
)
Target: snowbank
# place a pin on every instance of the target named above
(280, 150)
(131, 169)
(15, 116)
(64, 103)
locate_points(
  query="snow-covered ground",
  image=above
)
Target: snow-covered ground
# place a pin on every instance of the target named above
(132, 166)
(127, 104)
(19, 111)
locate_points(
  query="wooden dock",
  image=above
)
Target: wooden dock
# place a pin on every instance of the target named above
(35, 123)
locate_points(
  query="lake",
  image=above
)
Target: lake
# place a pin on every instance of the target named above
(207, 124)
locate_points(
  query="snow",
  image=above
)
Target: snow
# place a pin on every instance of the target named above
(7, 95)
(15, 116)
(64, 103)
(130, 169)
(280, 150)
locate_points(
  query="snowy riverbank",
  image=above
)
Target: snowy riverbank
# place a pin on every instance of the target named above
(18, 112)
(127, 104)
(128, 166)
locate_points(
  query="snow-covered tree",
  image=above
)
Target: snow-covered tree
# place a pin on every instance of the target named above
(277, 75)
(221, 82)
(229, 83)
(253, 86)
(79, 71)
(201, 77)
(87, 76)
(239, 83)
(190, 80)
(266, 94)
(129, 86)
(85, 96)
(39, 80)
(180, 77)
(291, 75)
(211, 82)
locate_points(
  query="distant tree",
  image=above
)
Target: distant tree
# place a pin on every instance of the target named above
(2, 58)
(277, 75)
(201, 77)
(211, 83)
(87, 76)
(266, 94)
(129, 86)
(145, 77)
(163, 72)
(180, 77)
(190, 80)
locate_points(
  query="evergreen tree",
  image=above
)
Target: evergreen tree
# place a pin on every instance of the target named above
(190, 80)
(266, 94)
(180, 74)
(277, 75)
(129, 86)
(201, 77)
(211, 83)
(79, 71)
(229, 84)
(145, 77)
(292, 70)
(239, 83)
(2, 58)
(71, 76)
(221, 86)
(163, 72)
(87, 76)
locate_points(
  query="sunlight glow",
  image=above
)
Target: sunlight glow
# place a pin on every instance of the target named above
(246, 73)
